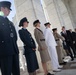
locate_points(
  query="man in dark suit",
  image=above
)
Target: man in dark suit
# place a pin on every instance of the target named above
(69, 41)
(9, 54)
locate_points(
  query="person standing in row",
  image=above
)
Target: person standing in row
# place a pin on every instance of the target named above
(59, 45)
(9, 53)
(29, 47)
(50, 40)
(41, 45)
(69, 41)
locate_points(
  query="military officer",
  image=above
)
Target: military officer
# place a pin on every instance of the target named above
(9, 54)
(51, 44)
(29, 47)
(59, 45)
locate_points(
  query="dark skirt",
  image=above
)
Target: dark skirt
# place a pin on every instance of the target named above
(32, 63)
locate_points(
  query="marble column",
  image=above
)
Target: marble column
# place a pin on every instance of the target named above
(66, 3)
(58, 14)
(52, 12)
(71, 5)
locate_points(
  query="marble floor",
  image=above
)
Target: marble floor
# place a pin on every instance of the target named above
(68, 69)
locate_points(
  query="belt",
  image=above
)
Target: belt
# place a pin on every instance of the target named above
(42, 39)
(57, 40)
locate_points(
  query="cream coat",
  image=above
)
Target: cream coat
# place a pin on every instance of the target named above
(41, 45)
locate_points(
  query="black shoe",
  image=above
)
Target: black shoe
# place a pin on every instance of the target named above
(75, 56)
(72, 59)
(64, 63)
(50, 74)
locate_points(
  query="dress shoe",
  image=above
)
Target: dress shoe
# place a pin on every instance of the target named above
(64, 63)
(72, 59)
(60, 67)
(57, 70)
(50, 74)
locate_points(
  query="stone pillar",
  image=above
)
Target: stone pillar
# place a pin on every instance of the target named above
(66, 3)
(58, 14)
(52, 12)
(32, 9)
(72, 8)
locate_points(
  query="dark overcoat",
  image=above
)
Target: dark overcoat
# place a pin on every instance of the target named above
(29, 53)
(69, 42)
(8, 37)
(9, 58)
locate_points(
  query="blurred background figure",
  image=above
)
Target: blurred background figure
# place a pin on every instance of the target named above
(68, 44)
(59, 47)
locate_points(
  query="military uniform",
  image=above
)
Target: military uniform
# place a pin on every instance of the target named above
(9, 54)
(29, 47)
(59, 47)
(41, 44)
(29, 53)
(9, 58)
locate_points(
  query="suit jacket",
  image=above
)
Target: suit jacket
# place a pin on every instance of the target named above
(8, 38)
(28, 41)
(74, 36)
(40, 39)
(67, 36)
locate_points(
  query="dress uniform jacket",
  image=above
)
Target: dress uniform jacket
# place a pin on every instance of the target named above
(9, 58)
(8, 37)
(41, 45)
(29, 53)
(51, 43)
(59, 46)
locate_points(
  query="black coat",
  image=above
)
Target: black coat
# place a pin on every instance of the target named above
(29, 53)
(27, 39)
(67, 36)
(74, 36)
(8, 37)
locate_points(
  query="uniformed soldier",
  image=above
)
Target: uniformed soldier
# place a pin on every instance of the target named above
(59, 47)
(9, 54)
(29, 47)
(51, 44)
